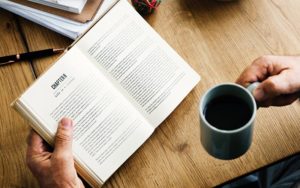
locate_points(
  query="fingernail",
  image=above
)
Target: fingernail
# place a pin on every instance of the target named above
(66, 122)
(259, 94)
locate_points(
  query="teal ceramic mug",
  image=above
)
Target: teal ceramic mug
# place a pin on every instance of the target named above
(227, 114)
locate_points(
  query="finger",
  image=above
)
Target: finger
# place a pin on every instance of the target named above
(277, 64)
(281, 63)
(257, 71)
(263, 67)
(35, 151)
(281, 100)
(63, 139)
(285, 99)
(35, 143)
(272, 87)
(33, 138)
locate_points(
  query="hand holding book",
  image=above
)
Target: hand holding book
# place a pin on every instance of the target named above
(53, 168)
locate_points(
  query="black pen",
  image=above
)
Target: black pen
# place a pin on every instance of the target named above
(29, 55)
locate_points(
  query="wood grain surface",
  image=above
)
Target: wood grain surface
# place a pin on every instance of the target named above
(218, 40)
(13, 129)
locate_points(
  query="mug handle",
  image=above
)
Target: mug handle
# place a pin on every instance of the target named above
(252, 87)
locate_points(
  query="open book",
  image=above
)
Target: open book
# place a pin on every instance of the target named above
(118, 83)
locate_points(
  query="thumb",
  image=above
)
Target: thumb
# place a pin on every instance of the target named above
(272, 87)
(64, 137)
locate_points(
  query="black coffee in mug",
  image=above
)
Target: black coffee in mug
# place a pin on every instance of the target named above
(227, 112)
(227, 115)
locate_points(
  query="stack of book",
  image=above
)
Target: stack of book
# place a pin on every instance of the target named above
(69, 19)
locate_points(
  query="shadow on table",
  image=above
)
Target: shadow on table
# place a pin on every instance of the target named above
(282, 174)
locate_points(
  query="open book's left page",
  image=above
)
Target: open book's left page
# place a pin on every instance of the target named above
(107, 129)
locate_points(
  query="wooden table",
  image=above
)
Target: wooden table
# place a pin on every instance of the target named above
(218, 40)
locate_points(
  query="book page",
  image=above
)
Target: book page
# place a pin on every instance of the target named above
(107, 128)
(139, 62)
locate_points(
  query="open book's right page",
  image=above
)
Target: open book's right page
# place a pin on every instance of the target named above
(153, 77)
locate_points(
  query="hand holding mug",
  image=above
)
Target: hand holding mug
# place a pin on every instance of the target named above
(227, 111)
(279, 77)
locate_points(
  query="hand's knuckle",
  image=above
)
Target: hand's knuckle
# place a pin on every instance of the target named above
(68, 156)
(263, 60)
(58, 157)
(289, 87)
(266, 58)
(63, 156)
(63, 137)
(271, 85)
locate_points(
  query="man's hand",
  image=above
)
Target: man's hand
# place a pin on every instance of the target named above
(53, 169)
(279, 77)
